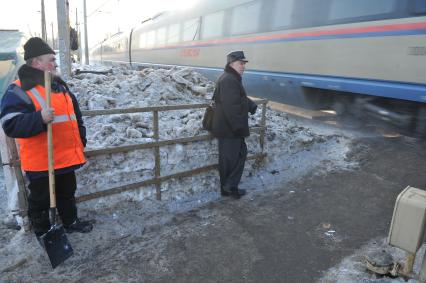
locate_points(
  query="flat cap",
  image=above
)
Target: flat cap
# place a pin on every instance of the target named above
(235, 56)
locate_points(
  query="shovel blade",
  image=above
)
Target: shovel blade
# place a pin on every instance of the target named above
(56, 244)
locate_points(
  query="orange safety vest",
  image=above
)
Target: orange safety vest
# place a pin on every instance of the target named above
(68, 150)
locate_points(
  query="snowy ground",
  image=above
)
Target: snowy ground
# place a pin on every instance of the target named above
(352, 269)
(292, 151)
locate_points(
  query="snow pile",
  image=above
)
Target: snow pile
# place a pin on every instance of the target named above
(123, 88)
(288, 145)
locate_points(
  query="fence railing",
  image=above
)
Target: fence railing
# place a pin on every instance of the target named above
(158, 179)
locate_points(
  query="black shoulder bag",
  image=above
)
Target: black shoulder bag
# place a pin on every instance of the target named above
(208, 116)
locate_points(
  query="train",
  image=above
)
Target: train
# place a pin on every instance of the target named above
(344, 55)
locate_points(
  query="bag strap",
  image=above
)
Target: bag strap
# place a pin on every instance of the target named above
(214, 96)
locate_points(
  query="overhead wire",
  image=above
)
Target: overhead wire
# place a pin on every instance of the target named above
(97, 9)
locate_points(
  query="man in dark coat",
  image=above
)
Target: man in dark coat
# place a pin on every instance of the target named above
(230, 123)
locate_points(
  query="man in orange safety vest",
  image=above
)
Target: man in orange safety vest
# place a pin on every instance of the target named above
(25, 115)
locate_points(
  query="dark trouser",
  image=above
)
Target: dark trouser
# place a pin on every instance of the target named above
(232, 156)
(39, 201)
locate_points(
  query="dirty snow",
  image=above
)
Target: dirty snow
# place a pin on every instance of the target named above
(292, 151)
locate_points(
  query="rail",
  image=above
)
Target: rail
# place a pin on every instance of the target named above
(158, 179)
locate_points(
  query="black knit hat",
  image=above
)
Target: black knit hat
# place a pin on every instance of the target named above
(35, 46)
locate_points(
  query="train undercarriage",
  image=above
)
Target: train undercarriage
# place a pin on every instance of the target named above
(409, 117)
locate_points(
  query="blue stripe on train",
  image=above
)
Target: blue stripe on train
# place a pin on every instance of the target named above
(280, 81)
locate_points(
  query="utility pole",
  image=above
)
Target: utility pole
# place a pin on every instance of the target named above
(43, 22)
(86, 47)
(77, 28)
(67, 16)
(64, 39)
(53, 37)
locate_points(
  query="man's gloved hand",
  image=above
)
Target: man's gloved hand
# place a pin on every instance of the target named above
(253, 110)
(47, 114)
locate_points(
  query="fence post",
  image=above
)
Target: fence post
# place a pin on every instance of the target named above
(157, 156)
(263, 124)
(14, 181)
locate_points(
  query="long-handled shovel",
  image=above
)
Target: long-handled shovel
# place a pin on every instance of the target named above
(55, 241)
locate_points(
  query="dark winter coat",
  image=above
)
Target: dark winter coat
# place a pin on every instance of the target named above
(232, 106)
(29, 122)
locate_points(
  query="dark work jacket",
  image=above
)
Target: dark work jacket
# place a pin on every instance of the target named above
(30, 122)
(232, 106)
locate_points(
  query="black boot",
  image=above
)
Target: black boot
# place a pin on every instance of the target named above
(79, 226)
(237, 193)
(224, 192)
(40, 222)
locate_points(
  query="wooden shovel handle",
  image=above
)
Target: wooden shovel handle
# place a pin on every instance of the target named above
(47, 83)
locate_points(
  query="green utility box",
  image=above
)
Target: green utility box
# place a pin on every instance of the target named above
(408, 222)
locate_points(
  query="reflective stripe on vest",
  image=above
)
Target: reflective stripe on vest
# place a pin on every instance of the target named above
(37, 95)
(42, 102)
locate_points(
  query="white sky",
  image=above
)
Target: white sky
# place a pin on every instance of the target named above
(104, 16)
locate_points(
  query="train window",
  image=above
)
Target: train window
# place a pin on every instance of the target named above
(142, 40)
(282, 13)
(418, 7)
(173, 34)
(150, 38)
(190, 29)
(346, 9)
(212, 25)
(245, 18)
(161, 36)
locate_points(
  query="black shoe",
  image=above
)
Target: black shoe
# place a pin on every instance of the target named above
(40, 233)
(79, 226)
(225, 191)
(40, 222)
(238, 193)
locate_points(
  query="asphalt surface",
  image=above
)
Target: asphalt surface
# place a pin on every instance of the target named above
(281, 235)
(290, 234)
